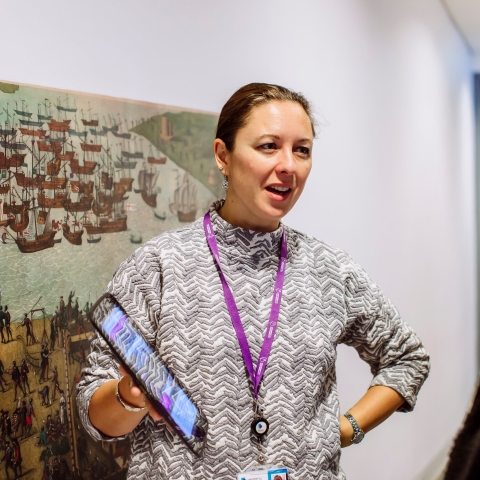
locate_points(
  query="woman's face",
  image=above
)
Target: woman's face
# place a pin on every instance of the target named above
(268, 166)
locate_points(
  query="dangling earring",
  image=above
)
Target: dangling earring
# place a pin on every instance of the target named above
(225, 183)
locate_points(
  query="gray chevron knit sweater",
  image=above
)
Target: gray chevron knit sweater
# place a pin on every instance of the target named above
(171, 288)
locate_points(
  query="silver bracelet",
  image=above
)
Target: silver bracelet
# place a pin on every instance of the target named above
(123, 404)
(358, 433)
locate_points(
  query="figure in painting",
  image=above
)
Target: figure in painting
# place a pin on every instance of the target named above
(16, 379)
(64, 470)
(86, 309)
(53, 333)
(15, 421)
(29, 416)
(2, 380)
(55, 384)
(62, 311)
(8, 458)
(69, 308)
(80, 325)
(27, 323)
(75, 308)
(8, 328)
(3, 319)
(23, 419)
(24, 371)
(6, 426)
(17, 458)
(68, 348)
(42, 439)
(63, 410)
(44, 364)
(55, 469)
(83, 357)
(2, 429)
(44, 392)
(46, 470)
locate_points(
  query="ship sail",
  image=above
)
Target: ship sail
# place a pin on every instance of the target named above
(30, 230)
(48, 223)
(141, 179)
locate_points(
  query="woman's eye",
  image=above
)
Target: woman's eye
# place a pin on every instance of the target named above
(268, 146)
(303, 150)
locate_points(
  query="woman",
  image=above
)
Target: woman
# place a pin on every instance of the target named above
(172, 289)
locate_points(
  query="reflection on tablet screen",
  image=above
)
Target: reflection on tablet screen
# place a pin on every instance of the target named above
(142, 359)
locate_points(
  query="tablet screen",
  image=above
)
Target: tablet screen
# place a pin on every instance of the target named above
(142, 359)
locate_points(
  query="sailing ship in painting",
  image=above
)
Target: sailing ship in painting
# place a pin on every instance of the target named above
(185, 203)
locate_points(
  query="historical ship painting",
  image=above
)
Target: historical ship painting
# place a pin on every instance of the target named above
(84, 181)
(51, 185)
(70, 165)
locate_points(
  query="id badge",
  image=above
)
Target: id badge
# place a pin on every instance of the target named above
(264, 472)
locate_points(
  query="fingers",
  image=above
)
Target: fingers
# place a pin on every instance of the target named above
(152, 412)
(137, 394)
(123, 371)
(134, 390)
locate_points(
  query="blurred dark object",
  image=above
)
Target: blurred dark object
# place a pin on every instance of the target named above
(464, 462)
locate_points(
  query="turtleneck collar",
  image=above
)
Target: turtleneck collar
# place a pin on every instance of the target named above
(242, 241)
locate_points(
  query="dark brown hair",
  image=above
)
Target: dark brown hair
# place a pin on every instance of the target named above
(235, 112)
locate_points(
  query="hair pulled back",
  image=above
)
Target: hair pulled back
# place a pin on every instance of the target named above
(235, 112)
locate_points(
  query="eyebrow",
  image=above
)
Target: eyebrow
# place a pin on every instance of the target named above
(268, 135)
(272, 135)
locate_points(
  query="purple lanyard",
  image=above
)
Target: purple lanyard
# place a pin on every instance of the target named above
(233, 310)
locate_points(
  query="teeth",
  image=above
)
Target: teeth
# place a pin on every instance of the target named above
(280, 189)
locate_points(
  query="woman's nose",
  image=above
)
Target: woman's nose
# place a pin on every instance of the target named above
(286, 161)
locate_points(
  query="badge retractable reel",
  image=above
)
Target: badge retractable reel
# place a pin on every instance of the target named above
(259, 427)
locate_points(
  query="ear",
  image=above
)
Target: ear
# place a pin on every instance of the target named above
(221, 156)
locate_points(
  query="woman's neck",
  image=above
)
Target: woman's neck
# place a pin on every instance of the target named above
(232, 213)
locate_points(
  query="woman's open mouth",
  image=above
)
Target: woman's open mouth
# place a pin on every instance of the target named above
(278, 193)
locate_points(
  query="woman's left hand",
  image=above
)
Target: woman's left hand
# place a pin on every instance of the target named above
(372, 409)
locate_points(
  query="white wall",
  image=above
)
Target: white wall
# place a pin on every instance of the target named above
(393, 180)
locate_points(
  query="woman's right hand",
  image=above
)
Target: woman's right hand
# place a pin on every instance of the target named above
(132, 395)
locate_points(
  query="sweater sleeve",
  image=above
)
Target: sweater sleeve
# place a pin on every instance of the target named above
(375, 329)
(136, 285)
